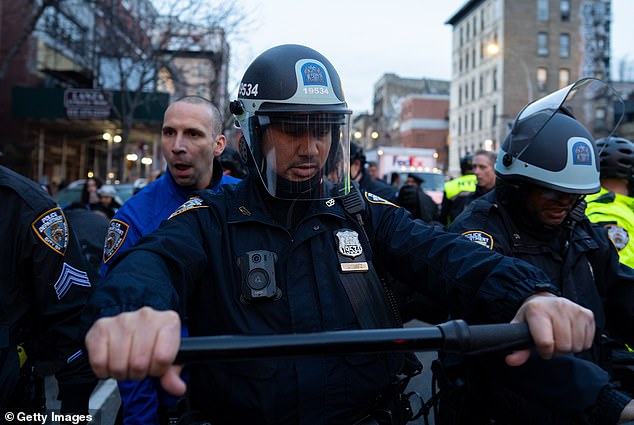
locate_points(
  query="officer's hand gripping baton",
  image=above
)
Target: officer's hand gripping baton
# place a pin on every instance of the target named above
(454, 336)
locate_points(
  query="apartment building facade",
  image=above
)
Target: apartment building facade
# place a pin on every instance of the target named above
(508, 53)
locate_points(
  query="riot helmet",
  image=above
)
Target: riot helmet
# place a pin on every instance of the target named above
(550, 143)
(295, 124)
(616, 158)
(466, 164)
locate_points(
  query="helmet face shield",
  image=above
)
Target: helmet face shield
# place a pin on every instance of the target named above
(551, 142)
(295, 123)
(304, 156)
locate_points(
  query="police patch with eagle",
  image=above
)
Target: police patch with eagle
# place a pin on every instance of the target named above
(52, 229)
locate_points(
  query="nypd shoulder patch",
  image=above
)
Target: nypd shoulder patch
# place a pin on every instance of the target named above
(618, 235)
(193, 203)
(117, 231)
(374, 199)
(480, 237)
(52, 229)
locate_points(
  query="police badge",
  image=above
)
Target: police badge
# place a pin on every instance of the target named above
(350, 248)
(618, 235)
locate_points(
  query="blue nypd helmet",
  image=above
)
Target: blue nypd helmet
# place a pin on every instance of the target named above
(295, 90)
(550, 146)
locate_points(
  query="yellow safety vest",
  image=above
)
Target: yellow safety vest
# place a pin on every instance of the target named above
(466, 183)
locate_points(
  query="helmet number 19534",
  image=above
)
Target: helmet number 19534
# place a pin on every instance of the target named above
(315, 90)
(248, 89)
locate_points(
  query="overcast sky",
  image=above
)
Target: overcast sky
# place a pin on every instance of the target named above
(365, 39)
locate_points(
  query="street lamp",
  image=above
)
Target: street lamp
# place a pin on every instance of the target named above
(493, 49)
(109, 138)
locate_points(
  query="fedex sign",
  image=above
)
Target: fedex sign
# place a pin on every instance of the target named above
(406, 161)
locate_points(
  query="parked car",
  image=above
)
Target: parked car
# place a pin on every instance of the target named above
(72, 193)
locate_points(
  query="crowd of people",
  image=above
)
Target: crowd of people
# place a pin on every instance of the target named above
(293, 232)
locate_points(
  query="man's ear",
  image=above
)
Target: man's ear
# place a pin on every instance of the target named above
(220, 144)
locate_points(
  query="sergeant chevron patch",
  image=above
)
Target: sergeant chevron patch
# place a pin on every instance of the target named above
(68, 277)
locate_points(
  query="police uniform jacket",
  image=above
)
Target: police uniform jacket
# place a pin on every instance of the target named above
(585, 267)
(192, 264)
(43, 287)
(140, 215)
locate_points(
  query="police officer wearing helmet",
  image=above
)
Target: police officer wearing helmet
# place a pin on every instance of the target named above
(548, 162)
(613, 206)
(283, 252)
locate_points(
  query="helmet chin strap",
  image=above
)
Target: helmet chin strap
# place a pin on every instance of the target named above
(297, 190)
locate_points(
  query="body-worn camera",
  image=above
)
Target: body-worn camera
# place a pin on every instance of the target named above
(258, 276)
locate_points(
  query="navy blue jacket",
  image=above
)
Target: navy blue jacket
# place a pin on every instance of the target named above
(585, 266)
(139, 216)
(43, 287)
(190, 264)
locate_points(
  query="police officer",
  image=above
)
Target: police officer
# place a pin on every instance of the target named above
(613, 206)
(191, 142)
(546, 165)
(43, 287)
(457, 191)
(284, 252)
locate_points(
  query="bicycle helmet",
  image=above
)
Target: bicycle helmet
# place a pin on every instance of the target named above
(293, 93)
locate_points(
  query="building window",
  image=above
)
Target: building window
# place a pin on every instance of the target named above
(481, 86)
(459, 96)
(461, 37)
(542, 44)
(542, 78)
(564, 45)
(459, 126)
(480, 119)
(473, 56)
(564, 77)
(542, 10)
(472, 121)
(475, 27)
(495, 79)
(467, 31)
(466, 61)
(482, 20)
(473, 87)
(494, 115)
(564, 7)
